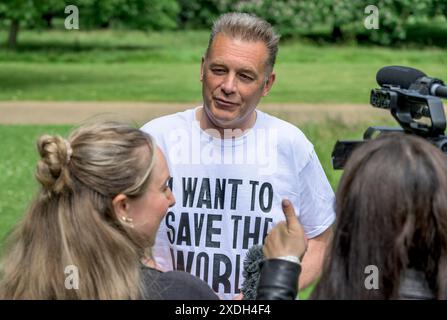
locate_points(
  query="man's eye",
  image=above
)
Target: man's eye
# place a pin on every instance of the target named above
(246, 77)
(218, 71)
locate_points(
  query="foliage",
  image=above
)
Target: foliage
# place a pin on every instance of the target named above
(198, 14)
(344, 18)
(134, 14)
(395, 15)
(30, 13)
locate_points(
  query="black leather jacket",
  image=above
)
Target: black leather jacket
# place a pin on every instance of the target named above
(278, 280)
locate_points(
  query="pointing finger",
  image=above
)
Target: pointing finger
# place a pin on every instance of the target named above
(289, 213)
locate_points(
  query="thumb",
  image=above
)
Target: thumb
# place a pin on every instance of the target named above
(289, 213)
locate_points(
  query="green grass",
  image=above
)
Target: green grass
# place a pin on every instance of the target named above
(99, 82)
(107, 46)
(164, 67)
(17, 162)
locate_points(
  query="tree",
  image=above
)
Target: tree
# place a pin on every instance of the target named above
(16, 12)
(148, 14)
(24, 13)
(344, 17)
(135, 14)
(199, 13)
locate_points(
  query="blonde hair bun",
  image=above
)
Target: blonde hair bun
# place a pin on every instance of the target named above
(51, 169)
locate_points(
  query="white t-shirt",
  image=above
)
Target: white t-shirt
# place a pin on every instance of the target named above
(228, 194)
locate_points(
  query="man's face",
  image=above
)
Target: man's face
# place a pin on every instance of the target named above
(233, 81)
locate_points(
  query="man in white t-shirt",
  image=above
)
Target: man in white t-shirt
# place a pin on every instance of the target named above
(231, 165)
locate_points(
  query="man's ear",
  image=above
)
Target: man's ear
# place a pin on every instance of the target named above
(269, 84)
(202, 66)
(121, 206)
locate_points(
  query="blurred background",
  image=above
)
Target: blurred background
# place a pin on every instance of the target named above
(139, 59)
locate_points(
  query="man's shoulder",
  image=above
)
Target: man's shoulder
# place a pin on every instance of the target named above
(166, 123)
(286, 131)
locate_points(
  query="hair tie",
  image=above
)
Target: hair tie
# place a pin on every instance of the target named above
(69, 150)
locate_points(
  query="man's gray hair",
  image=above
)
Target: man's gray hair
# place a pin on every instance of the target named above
(247, 27)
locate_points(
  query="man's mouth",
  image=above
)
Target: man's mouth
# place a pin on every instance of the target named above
(225, 104)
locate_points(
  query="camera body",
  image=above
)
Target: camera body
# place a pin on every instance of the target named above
(415, 109)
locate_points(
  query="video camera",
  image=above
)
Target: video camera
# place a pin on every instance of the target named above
(413, 100)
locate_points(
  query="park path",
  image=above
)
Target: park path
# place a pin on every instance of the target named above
(41, 112)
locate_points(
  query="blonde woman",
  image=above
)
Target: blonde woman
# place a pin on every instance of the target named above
(103, 193)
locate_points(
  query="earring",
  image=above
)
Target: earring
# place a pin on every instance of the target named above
(127, 221)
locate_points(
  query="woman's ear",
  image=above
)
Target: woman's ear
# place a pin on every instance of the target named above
(121, 207)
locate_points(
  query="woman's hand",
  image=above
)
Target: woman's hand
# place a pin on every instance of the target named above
(287, 237)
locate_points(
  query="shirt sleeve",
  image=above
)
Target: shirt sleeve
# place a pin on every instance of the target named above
(316, 198)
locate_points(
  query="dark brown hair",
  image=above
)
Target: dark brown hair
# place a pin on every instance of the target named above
(391, 207)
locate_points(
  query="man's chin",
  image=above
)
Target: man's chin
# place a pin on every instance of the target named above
(225, 123)
(221, 119)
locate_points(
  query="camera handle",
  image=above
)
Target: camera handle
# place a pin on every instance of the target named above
(368, 135)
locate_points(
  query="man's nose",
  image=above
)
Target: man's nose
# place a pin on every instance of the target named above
(229, 84)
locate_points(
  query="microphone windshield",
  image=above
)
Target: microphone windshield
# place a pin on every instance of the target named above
(251, 272)
(398, 76)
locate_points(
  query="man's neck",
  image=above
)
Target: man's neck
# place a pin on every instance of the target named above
(223, 133)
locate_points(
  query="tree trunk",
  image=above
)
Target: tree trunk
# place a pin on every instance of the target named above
(337, 34)
(13, 31)
(48, 17)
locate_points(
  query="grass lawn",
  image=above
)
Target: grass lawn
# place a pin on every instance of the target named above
(164, 67)
(17, 162)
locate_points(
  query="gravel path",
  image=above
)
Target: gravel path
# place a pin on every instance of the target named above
(41, 112)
